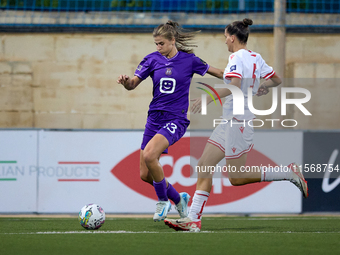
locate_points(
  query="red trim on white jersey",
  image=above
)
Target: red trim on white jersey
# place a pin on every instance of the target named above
(241, 153)
(216, 144)
(270, 75)
(237, 75)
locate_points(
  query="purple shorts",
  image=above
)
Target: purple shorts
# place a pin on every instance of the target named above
(171, 126)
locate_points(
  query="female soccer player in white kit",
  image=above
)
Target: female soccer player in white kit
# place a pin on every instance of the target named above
(235, 139)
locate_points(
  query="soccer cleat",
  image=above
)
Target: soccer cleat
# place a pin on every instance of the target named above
(182, 206)
(185, 224)
(162, 209)
(298, 179)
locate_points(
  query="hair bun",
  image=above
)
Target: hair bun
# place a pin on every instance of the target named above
(247, 22)
(170, 22)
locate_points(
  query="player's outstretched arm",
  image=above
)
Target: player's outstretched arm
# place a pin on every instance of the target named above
(129, 83)
(223, 92)
(218, 73)
(272, 82)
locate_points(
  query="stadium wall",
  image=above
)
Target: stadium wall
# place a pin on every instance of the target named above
(69, 80)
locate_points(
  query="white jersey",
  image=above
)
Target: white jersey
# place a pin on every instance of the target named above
(250, 67)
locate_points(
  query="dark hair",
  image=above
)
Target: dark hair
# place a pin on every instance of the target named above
(240, 29)
(171, 30)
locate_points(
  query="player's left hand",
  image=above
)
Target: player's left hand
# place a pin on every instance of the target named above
(263, 90)
(124, 80)
(197, 105)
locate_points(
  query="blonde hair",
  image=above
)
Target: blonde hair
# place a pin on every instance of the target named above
(171, 30)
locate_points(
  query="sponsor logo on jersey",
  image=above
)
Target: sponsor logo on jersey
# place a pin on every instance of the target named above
(233, 68)
(231, 57)
(233, 149)
(168, 71)
(241, 129)
(139, 67)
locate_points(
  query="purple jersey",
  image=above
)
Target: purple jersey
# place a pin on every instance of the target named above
(171, 79)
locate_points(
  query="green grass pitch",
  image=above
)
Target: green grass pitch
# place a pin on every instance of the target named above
(220, 235)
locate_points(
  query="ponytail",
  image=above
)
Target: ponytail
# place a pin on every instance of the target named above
(172, 29)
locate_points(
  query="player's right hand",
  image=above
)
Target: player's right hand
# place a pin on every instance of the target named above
(123, 79)
(263, 90)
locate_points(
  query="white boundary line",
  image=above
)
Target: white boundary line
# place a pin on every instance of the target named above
(270, 218)
(109, 215)
(155, 232)
(205, 219)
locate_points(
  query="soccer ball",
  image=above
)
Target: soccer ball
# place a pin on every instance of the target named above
(91, 216)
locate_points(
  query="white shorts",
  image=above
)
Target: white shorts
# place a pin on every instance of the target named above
(233, 139)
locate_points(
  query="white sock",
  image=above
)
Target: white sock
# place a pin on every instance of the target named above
(198, 202)
(279, 173)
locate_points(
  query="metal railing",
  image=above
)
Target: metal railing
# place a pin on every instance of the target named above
(148, 13)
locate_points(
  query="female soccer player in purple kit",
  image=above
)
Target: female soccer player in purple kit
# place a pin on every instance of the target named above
(171, 68)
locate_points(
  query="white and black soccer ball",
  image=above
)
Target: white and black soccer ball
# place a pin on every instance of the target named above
(91, 216)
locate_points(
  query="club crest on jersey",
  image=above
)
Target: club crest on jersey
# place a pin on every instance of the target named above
(233, 68)
(168, 71)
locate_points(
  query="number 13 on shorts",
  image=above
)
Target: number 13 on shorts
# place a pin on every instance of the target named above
(171, 127)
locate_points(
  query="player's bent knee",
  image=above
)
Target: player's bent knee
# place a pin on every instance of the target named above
(202, 162)
(149, 157)
(203, 171)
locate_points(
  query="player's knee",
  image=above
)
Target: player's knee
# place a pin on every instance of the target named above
(149, 157)
(202, 162)
(236, 181)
